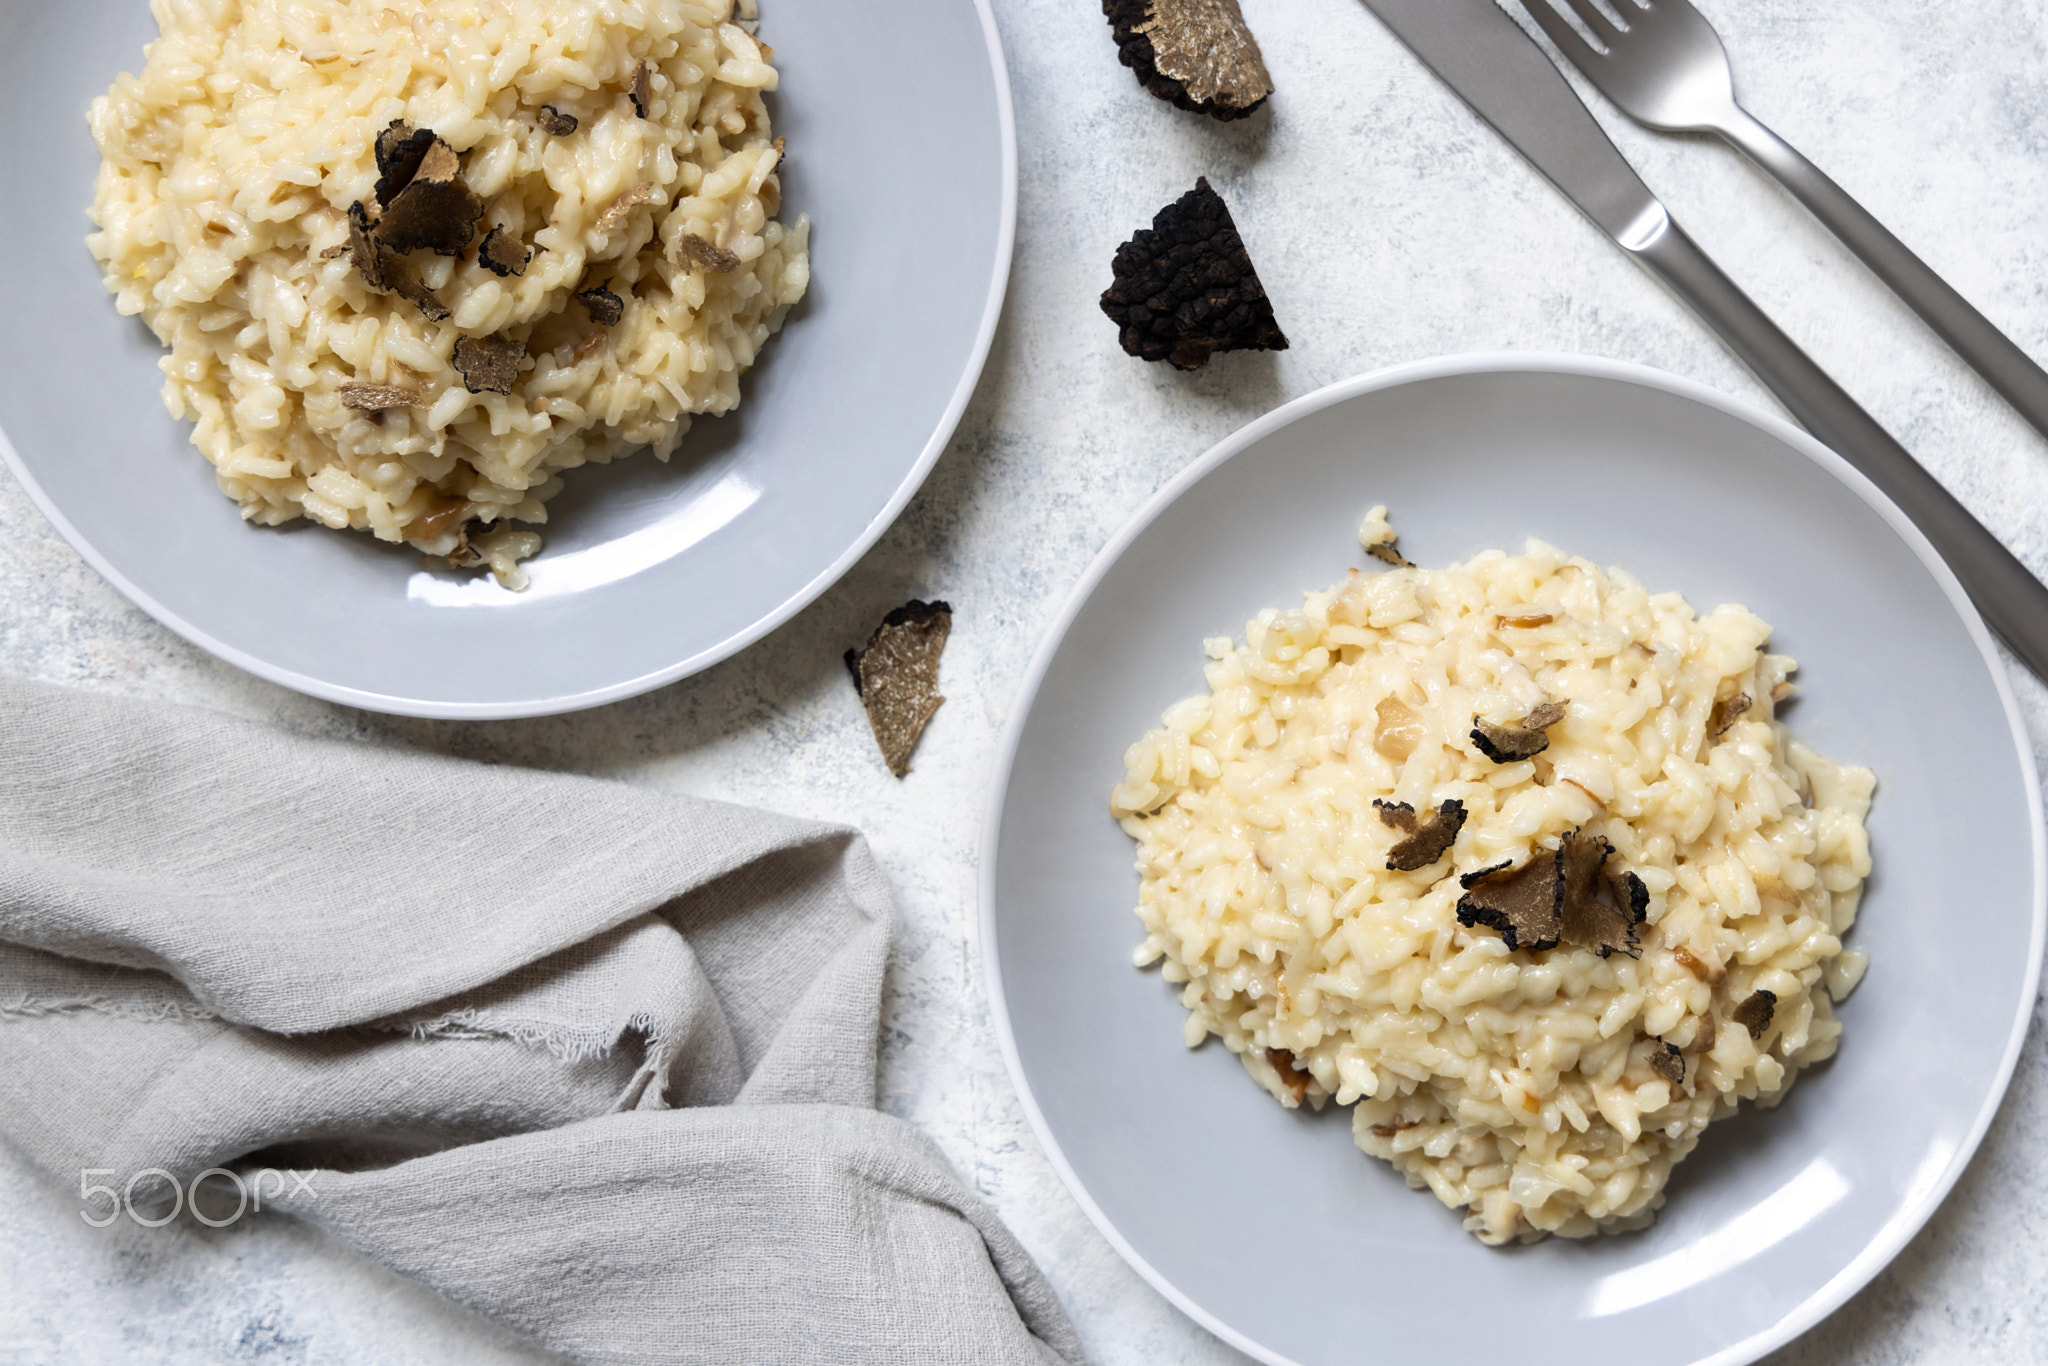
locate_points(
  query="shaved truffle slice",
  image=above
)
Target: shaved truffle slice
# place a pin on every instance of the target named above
(555, 123)
(1292, 1077)
(503, 254)
(400, 150)
(386, 272)
(604, 307)
(1386, 550)
(1667, 1062)
(1755, 1013)
(1726, 711)
(1702, 1036)
(1185, 287)
(1525, 904)
(1198, 55)
(435, 209)
(1601, 909)
(641, 89)
(896, 675)
(708, 255)
(375, 398)
(1399, 815)
(1510, 744)
(1431, 838)
(489, 365)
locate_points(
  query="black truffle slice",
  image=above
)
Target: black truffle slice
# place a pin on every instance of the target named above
(1726, 712)
(1396, 815)
(435, 209)
(1601, 908)
(1431, 838)
(503, 254)
(555, 123)
(1510, 744)
(1196, 54)
(641, 89)
(896, 675)
(383, 270)
(1525, 904)
(1293, 1078)
(1386, 550)
(708, 255)
(489, 365)
(1755, 1013)
(604, 307)
(1667, 1062)
(400, 150)
(1185, 288)
(376, 398)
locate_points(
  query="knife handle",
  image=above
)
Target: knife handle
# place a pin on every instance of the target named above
(2013, 602)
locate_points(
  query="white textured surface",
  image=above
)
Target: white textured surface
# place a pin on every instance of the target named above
(1388, 226)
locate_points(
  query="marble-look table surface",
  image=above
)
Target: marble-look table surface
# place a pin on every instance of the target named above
(1389, 226)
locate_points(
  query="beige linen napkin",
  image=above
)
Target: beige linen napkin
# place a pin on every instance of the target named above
(596, 1061)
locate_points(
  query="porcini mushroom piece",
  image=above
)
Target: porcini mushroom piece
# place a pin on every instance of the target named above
(1400, 729)
(1511, 744)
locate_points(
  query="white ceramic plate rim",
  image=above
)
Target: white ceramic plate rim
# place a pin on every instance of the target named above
(941, 437)
(1904, 1222)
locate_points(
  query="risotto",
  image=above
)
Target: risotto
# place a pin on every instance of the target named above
(414, 258)
(1515, 859)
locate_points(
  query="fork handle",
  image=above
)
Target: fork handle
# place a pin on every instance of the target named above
(1989, 351)
(2013, 602)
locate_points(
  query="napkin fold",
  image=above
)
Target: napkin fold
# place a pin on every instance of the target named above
(596, 1061)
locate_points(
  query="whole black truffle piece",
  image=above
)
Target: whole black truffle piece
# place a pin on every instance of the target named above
(1196, 54)
(1185, 288)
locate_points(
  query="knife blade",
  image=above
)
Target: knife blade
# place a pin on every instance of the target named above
(1497, 69)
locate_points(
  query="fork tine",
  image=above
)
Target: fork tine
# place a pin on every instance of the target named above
(1603, 28)
(1575, 49)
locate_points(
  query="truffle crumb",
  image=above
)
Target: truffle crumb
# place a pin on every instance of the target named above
(503, 254)
(1524, 904)
(1667, 1062)
(1293, 1078)
(434, 209)
(621, 208)
(1385, 550)
(489, 365)
(896, 676)
(641, 90)
(707, 255)
(1198, 55)
(1725, 713)
(555, 123)
(375, 398)
(1607, 926)
(1755, 1013)
(1510, 744)
(1185, 288)
(1430, 839)
(604, 307)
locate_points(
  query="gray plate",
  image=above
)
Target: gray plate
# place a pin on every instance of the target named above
(651, 571)
(1268, 1226)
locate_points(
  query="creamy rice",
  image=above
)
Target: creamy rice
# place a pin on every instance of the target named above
(229, 168)
(1539, 1090)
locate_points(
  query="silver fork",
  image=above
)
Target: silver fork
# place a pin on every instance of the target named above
(1667, 70)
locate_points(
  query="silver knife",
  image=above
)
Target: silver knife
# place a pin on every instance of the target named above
(1496, 68)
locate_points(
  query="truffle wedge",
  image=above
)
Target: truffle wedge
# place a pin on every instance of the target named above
(1198, 55)
(1511, 744)
(896, 675)
(1185, 288)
